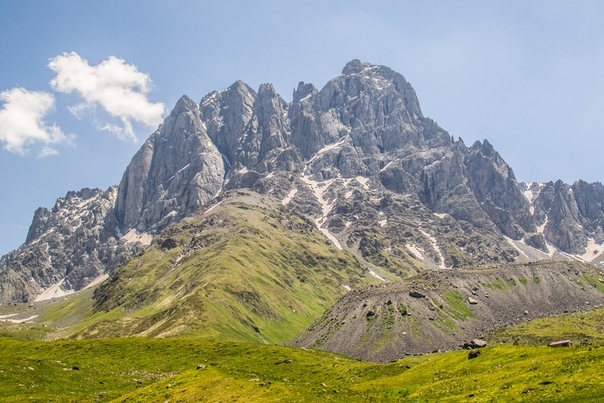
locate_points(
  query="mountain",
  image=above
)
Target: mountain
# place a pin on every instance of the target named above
(357, 158)
(67, 248)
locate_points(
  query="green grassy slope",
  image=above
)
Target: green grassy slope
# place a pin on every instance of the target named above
(246, 270)
(585, 328)
(191, 370)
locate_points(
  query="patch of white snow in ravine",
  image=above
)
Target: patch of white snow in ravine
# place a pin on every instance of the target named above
(592, 251)
(20, 320)
(133, 236)
(440, 215)
(213, 207)
(347, 287)
(374, 274)
(363, 181)
(327, 148)
(54, 291)
(436, 248)
(418, 254)
(382, 223)
(541, 228)
(319, 189)
(386, 167)
(513, 244)
(289, 197)
(97, 280)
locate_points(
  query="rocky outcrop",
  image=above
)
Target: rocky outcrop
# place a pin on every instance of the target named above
(67, 247)
(176, 171)
(495, 187)
(571, 216)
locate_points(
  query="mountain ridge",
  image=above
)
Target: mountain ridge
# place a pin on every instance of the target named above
(360, 160)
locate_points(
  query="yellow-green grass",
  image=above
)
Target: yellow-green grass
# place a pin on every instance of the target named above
(143, 370)
(581, 328)
(244, 272)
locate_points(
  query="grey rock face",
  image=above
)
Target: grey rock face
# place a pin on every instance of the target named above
(496, 189)
(570, 215)
(226, 115)
(176, 171)
(357, 157)
(252, 132)
(71, 244)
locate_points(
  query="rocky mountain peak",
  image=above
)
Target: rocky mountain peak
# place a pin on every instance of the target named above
(176, 170)
(67, 247)
(355, 66)
(357, 157)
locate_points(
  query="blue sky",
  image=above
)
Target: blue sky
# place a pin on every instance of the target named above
(526, 75)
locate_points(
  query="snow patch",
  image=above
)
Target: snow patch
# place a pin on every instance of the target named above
(382, 223)
(418, 254)
(363, 181)
(97, 280)
(513, 244)
(434, 244)
(54, 291)
(181, 169)
(440, 215)
(289, 197)
(327, 148)
(213, 207)
(374, 274)
(531, 192)
(133, 236)
(306, 97)
(330, 236)
(347, 287)
(592, 251)
(319, 189)
(386, 167)
(20, 320)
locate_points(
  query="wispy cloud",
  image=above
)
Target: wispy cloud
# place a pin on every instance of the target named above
(22, 121)
(118, 87)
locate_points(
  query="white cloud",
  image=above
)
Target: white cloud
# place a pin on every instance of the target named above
(46, 151)
(119, 88)
(22, 120)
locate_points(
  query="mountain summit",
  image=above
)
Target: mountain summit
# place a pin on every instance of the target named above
(357, 158)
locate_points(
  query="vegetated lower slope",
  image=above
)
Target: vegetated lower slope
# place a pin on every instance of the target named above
(193, 370)
(441, 310)
(582, 328)
(246, 269)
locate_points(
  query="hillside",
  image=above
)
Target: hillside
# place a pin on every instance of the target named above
(442, 310)
(246, 269)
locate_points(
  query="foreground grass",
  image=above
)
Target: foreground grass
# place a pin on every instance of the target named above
(585, 328)
(140, 370)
